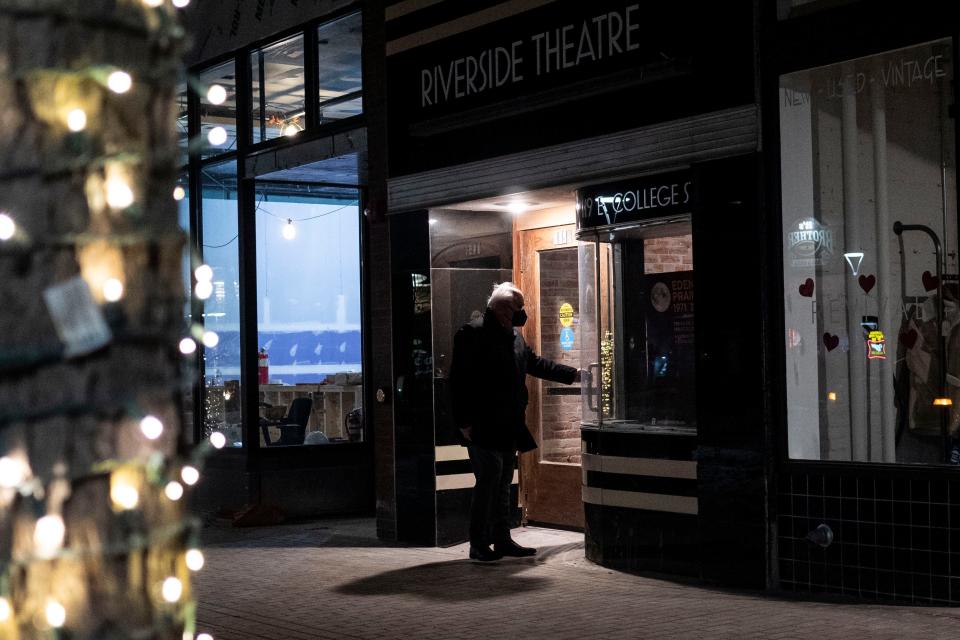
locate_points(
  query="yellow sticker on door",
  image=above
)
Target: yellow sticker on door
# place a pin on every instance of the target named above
(566, 314)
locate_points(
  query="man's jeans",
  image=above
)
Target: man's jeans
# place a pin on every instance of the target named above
(490, 506)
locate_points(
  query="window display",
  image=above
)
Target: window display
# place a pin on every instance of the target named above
(871, 284)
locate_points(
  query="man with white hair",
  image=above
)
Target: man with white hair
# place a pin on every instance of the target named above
(488, 379)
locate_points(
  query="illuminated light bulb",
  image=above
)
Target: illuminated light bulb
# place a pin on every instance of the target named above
(12, 472)
(291, 130)
(832, 396)
(173, 490)
(210, 339)
(179, 193)
(204, 289)
(119, 193)
(124, 495)
(190, 475)
(119, 82)
(216, 94)
(289, 231)
(112, 290)
(172, 589)
(204, 636)
(56, 614)
(77, 120)
(7, 227)
(195, 560)
(517, 207)
(217, 136)
(5, 610)
(187, 346)
(203, 273)
(218, 440)
(942, 402)
(180, 4)
(48, 535)
(151, 427)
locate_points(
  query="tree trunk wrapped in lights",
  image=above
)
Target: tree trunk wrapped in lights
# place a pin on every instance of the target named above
(93, 536)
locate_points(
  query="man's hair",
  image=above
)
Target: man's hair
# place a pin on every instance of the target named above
(505, 292)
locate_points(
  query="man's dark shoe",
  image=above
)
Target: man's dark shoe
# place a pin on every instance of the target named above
(513, 550)
(483, 553)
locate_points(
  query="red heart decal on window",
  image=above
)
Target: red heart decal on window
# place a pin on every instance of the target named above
(930, 282)
(806, 289)
(867, 283)
(909, 338)
(830, 341)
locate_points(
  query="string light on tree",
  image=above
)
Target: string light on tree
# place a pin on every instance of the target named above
(180, 4)
(172, 589)
(48, 535)
(5, 610)
(112, 290)
(210, 339)
(190, 475)
(173, 490)
(195, 560)
(12, 472)
(153, 3)
(217, 136)
(7, 227)
(218, 440)
(119, 193)
(56, 614)
(216, 94)
(179, 193)
(77, 120)
(151, 427)
(188, 346)
(119, 81)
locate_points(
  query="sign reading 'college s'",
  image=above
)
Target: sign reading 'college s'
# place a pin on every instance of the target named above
(636, 199)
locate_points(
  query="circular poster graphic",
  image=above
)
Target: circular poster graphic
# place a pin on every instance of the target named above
(660, 297)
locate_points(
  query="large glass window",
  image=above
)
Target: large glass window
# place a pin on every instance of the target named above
(340, 72)
(278, 97)
(308, 315)
(221, 311)
(182, 196)
(871, 285)
(637, 327)
(217, 89)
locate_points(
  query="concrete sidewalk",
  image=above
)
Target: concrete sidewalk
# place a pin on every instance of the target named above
(333, 579)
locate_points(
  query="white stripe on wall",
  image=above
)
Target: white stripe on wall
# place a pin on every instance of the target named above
(451, 452)
(463, 481)
(684, 469)
(639, 500)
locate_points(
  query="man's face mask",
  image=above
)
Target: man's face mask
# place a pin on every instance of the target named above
(519, 318)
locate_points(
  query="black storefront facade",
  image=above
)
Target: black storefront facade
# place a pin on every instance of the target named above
(730, 179)
(505, 122)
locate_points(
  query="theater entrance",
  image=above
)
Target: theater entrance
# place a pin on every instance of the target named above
(530, 239)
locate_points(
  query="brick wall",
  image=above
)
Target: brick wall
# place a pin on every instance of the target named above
(665, 255)
(560, 414)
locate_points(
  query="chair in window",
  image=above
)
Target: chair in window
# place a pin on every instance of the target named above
(293, 426)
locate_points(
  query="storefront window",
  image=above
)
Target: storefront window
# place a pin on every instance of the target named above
(183, 137)
(308, 315)
(182, 195)
(871, 285)
(637, 327)
(221, 310)
(216, 87)
(278, 97)
(340, 82)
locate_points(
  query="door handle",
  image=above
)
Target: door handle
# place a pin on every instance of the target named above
(590, 368)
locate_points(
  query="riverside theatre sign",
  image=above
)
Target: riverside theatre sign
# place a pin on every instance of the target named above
(467, 80)
(559, 48)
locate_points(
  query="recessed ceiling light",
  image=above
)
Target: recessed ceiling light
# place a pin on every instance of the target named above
(517, 207)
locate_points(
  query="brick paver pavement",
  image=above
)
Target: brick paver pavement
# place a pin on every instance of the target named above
(331, 579)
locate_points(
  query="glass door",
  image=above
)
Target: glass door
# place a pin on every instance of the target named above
(637, 306)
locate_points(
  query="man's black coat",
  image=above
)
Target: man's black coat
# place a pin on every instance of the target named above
(488, 380)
